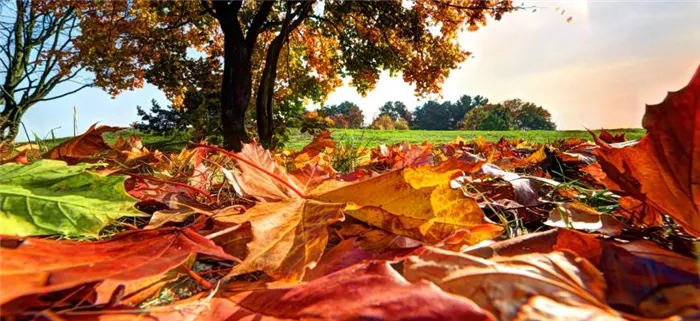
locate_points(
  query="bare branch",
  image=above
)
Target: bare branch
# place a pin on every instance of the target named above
(66, 94)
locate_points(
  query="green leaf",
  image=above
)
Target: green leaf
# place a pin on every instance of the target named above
(50, 197)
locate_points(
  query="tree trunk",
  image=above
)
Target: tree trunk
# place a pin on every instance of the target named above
(10, 119)
(236, 87)
(266, 89)
(265, 94)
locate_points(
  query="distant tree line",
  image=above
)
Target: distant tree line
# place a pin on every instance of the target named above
(200, 111)
(467, 112)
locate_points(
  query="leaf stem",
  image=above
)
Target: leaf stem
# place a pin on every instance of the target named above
(204, 283)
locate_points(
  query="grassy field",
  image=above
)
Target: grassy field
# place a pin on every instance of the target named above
(375, 137)
(368, 137)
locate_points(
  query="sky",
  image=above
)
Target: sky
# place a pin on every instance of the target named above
(598, 71)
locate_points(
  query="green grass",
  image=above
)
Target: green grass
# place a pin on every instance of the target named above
(371, 138)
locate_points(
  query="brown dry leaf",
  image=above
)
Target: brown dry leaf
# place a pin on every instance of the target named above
(144, 189)
(681, 300)
(261, 177)
(403, 155)
(136, 291)
(632, 271)
(640, 213)
(32, 266)
(580, 216)
(288, 236)
(541, 308)
(653, 252)
(523, 190)
(506, 286)
(131, 151)
(599, 176)
(289, 233)
(464, 161)
(663, 169)
(609, 138)
(313, 174)
(534, 158)
(23, 157)
(413, 155)
(418, 203)
(352, 251)
(162, 217)
(82, 147)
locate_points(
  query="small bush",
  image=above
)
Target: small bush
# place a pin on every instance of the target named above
(401, 124)
(339, 121)
(313, 123)
(383, 122)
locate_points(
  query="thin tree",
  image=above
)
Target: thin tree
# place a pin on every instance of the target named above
(37, 55)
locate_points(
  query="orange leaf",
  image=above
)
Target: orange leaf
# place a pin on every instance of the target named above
(82, 147)
(23, 157)
(352, 251)
(35, 266)
(132, 151)
(609, 138)
(319, 144)
(288, 236)
(663, 169)
(260, 176)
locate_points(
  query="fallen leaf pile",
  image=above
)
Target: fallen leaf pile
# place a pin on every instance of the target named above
(572, 230)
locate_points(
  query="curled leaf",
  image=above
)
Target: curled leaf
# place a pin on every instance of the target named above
(663, 169)
(82, 147)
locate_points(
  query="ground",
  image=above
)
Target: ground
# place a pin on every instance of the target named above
(369, 137)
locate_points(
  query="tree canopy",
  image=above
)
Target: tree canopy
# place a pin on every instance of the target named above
(446, 115)
(309, 46)
(508, 115)
(395, 110)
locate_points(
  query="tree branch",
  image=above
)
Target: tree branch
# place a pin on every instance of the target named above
(209, 9)
(65, 94)
(253, 31)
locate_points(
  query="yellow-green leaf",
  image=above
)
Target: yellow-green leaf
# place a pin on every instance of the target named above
(417, 203)
(50, 197)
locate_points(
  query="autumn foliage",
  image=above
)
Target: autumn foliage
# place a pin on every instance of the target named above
(508, 230)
